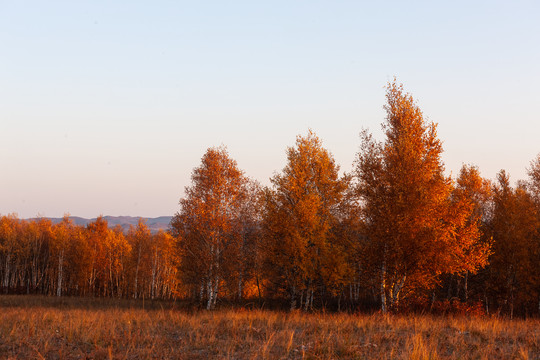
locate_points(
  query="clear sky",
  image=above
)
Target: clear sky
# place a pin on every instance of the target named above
(107, 106)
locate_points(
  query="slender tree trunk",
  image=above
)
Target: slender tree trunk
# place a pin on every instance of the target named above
(6, 273)
(240, 280)
(111, 278)
(259, 290)
(512, 305)
(210, 290)
(396, 289)
(293, 297)
(216, 288)
(137, 273)
(155, 264)
(60, 273)
(201, 293)
(466, 286)
(383, 287)
(309, 299)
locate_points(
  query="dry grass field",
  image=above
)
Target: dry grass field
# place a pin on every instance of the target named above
(52, 328)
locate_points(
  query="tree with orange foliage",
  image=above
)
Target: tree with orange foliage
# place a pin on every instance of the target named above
(96, 232)
(140, 239)
(245, 267)
(299, 218)
(415, 229)
(514, 276)
(10, 245)
(118, 251)
(471, 189)
(163, 281)
(37, 235)
(62, 234)
(205, 224)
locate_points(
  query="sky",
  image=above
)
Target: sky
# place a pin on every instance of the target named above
(107, 106)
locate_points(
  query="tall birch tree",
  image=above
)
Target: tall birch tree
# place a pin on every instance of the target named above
(301, 212)
(414, 227)
(514, 271)
(205, 224)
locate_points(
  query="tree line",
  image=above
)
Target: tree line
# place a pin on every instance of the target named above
(395, 233)
(37, 257)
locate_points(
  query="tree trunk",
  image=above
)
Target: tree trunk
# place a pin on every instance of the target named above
(60, 273)
(137, 273)
(155, 264)
(6, 273)
(240, 280)
(201, 293)
(216, 288)
(293, 298)
(383, 287)
(210, 290)
(396, 289)
(259, 290)
(466, 286)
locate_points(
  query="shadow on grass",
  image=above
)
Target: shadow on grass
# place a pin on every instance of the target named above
(67, 302)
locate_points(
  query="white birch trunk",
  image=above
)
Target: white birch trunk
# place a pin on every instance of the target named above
(210, 290)
(396, 290)
(293, 298)
(201, 292)
(216, 288)
(60, 273)
(6, 273)
(137, 273)
(240, 280)
(383, 287)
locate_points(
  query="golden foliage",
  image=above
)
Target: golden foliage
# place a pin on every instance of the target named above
(417, 226)
(300, 214)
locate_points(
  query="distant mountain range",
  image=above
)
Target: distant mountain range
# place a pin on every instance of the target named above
(154, 224)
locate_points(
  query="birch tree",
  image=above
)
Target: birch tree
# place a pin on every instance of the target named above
(514, 276)
(62, 234)
(299, 217)
(140, 238)
(205, 224)
(96, 232)
(413, 226)
(10, 230)
(163, 266)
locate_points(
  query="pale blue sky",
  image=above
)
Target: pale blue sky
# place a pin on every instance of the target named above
(107, 106)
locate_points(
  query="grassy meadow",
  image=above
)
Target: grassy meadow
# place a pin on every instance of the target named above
(34, 327)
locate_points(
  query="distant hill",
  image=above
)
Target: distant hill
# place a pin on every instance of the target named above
(154, 224)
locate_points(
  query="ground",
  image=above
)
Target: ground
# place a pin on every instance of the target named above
(34, 327)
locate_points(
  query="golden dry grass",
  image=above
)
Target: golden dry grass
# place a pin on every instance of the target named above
(40, 327)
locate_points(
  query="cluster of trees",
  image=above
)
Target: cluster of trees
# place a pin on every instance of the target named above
(395, 232)
(37, 257)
